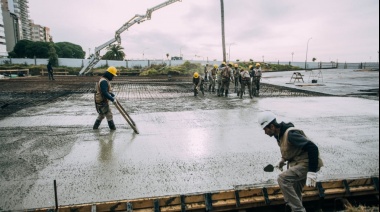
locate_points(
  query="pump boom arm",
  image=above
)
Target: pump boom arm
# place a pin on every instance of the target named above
(95, 58)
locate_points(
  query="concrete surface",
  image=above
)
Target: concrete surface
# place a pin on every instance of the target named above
(186, 144)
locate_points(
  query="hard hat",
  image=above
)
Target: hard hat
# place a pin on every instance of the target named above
(196, 75)
(258, 64)
(224, 63)
(215, 66)
(265, 118)
(236, 65)
(231, 64)
(250, 66)
(112, 70)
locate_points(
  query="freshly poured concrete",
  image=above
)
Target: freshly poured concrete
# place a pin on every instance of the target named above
(186, 145)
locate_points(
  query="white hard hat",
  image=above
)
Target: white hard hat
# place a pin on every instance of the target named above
(265, 118)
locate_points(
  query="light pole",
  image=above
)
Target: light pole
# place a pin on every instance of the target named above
(307, 49)
(229, 51)
(292, 56)
(144, 53)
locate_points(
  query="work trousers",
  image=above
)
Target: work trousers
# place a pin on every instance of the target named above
(292, 182)
(212, 84)
(225, 86)
(236, 84)
(51, 77)
(219, 87)
(104, 111)
(245, 83)
(256, 86)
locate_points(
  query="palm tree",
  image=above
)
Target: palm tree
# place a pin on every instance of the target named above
(223, 34)
(114, 52)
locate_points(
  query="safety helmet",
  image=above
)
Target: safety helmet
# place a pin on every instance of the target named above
(216, 66)
(250, 67)
(112, 70)
(196, 75)
(231, 64)
(223, 63)
(258, 64)
(236, 65)
(265, 118)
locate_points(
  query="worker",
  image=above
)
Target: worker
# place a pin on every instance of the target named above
(212, 77)
(227, 77)
(206, 72)
(245, 81)
(256, 79)
(102, 97)
(50, 71)
(300, 154)
(236, 77)
(219, 78)
(198, 83)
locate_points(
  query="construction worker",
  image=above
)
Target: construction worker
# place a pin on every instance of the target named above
(227, 77)
(219, 78)
(102, 97)
(256, 79)
(206, 72)
(236, 77)
(300, 154)
(245, 81)
(212, 76)
(198, 83)
(50, 71)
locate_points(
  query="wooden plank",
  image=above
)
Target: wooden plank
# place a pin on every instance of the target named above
(168, 201)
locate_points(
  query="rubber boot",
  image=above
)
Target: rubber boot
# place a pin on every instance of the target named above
(97, 124)
(226, 93)
(111, 125)
(250, 94)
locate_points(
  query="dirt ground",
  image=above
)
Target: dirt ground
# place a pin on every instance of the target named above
(186, 144)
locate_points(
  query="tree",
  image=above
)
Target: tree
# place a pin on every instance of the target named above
(69, 50)
(314, 59)
(114, 52)
(223, 31)
(53, 57)
(20, 49)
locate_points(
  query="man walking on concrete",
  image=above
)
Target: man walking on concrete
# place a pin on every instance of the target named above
(301, 154)
(102, 97)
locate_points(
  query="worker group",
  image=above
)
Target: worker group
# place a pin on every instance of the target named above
(219, 78)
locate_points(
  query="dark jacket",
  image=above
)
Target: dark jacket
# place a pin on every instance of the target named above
(300, 141)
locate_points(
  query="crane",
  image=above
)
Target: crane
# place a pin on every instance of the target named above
(95, 58)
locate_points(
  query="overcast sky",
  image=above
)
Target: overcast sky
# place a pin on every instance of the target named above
(341, 30)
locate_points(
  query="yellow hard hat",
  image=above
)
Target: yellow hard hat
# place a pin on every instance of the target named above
(250, 66)
(215, 66)
(112, 70)
(224, 63)
(231, 64)
(196, 75)
(258, 64)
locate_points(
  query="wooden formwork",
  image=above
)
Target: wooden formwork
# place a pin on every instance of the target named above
(242, 197)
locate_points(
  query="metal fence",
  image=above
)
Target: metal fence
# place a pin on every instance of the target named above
(77, 63)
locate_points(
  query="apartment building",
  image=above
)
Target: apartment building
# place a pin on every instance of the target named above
(3, 45)
(40, 33)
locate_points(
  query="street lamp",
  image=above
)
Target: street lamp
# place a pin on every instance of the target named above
(292, 56)
(229, 51)
(307, 49)
(144, 53)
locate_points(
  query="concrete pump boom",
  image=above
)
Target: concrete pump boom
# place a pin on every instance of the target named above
(95, 58)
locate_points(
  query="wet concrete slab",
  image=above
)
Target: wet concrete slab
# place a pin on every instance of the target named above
(186, 145)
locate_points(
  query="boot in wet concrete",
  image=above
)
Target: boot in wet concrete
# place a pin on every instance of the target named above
(97, 124)
(111, 125)
(226, 94)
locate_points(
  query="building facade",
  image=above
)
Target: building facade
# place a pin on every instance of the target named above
(3, 45)
(40, 33)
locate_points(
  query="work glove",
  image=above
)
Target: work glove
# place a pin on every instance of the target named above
(281, 163)
(311, 179)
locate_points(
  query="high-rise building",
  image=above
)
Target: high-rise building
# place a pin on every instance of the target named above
(3, 45)
(40, 33)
